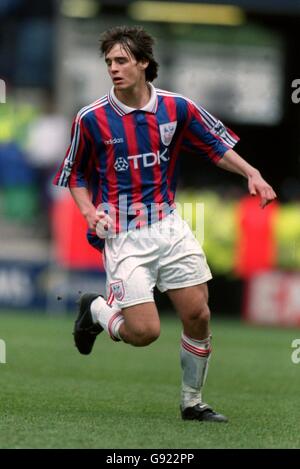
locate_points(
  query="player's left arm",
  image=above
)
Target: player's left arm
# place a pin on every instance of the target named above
(232, 161)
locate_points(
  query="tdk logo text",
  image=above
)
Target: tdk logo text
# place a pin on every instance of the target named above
(149, 159)
(114, 140)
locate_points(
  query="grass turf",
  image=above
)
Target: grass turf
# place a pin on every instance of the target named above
(123, 397)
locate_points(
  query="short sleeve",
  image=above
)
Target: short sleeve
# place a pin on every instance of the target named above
(206, 135)
(73, 170)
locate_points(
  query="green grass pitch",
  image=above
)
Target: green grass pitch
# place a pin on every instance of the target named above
(124, 397)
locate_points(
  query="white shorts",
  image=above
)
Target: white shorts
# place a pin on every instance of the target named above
(166, 254)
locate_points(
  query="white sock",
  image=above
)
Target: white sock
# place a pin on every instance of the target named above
(109, 317)
(194, 355)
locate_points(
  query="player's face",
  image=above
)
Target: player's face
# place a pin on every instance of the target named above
(124, 70)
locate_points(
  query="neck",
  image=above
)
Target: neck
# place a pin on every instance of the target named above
(136, 97)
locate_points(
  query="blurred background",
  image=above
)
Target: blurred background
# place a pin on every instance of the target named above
(238, 59)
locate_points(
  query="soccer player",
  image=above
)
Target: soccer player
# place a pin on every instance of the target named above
(122, 168)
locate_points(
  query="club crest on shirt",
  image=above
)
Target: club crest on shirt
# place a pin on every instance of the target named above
(118, 290)
(68, 167)
(219, 129)
(167, 131)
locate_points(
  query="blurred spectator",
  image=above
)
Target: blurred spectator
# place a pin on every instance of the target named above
(48, 138)
(17, 183)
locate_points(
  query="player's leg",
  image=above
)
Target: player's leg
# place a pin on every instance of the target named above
(138, 325)
(141, 324)
(192, 308)
(183, 273)
(129, 314)
(191, 305)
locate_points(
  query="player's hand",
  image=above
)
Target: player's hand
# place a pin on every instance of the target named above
(104, 224)
(257, 185)
(91, 218)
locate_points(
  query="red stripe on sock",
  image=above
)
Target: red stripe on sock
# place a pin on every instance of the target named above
(110, 323)
(195, 350)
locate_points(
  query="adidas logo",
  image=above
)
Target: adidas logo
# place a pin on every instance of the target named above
(114, 140)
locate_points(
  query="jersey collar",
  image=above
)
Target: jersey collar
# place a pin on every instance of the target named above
(122, 109)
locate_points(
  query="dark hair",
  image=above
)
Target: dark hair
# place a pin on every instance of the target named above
(135, 41)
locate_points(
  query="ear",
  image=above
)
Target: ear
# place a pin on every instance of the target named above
(143, 64)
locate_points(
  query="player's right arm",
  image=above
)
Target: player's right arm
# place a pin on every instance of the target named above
(98, 221)
(75, 173)
(82, 199)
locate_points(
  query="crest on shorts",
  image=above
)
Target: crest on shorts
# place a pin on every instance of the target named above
(118, 290)
(167, 131)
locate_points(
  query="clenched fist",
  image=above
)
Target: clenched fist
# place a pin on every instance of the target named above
(104, 224)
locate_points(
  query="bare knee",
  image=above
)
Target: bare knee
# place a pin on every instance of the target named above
(199, 313)
(141, 324)
(191, 304)
(142, 336)
(196, 322)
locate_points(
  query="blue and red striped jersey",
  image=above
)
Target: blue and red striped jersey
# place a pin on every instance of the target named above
(128, 158)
